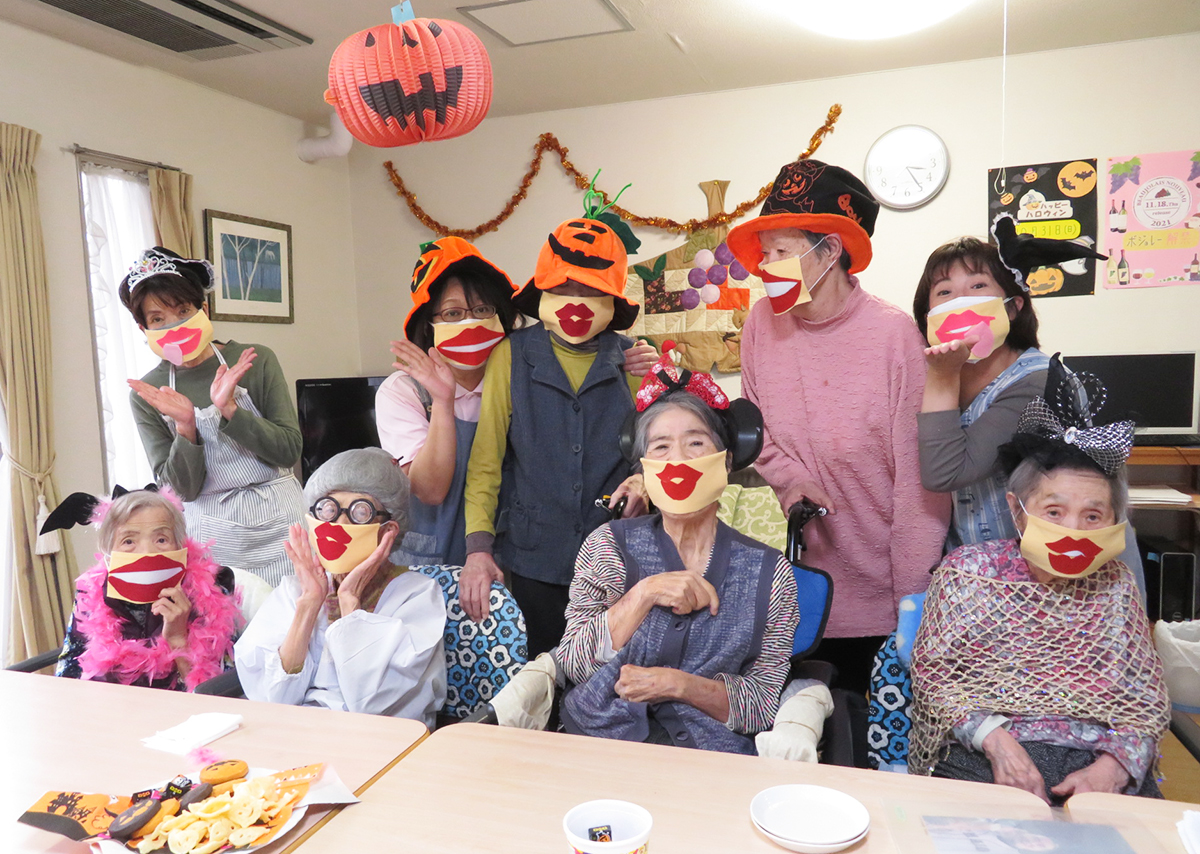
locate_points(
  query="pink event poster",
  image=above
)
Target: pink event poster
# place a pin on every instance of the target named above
(1152, 224)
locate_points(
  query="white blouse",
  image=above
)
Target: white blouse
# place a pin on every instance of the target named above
(387, 662)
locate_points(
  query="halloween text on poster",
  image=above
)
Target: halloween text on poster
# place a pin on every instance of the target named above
(1152, 228)
(1054, 200)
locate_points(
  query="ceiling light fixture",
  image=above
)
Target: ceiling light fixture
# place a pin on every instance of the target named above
(866, 20)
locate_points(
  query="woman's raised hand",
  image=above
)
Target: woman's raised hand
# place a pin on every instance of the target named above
(682, 592)
(950, 356)
(314, 583)
(431, 371)
(640, 358)
(355, 581)
(175, 608)
(170, 403)
(224, 384)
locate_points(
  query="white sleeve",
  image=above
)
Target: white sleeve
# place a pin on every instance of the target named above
(256, 653)
(392, 661)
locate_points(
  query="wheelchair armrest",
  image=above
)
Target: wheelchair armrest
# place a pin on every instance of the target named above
(36, 663)
(485, 714)
(225, 685)
(1187, 731)
(822, 671)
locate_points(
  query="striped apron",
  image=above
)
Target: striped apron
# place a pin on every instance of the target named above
(245, 505)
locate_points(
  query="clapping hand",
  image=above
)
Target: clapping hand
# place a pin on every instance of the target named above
(170, 403)
(224, 384)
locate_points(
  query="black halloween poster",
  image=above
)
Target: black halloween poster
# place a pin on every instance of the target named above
(1054, 200)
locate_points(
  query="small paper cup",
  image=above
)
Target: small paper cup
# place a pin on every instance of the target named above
(630, 827)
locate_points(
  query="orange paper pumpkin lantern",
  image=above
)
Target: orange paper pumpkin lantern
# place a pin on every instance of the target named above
(397, 84)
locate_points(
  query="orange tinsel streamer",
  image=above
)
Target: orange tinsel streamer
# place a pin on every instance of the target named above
(549, 141)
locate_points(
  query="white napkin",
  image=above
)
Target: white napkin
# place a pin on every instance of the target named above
(1189, 831)
(196, 731)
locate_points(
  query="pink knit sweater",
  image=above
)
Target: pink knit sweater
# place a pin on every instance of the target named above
(840, 399)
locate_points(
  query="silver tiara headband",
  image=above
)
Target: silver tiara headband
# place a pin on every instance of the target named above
(153, 263)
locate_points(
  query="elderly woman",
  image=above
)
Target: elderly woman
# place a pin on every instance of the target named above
(1034, 666)
(349, 630)
(156, 611)
(679, 630)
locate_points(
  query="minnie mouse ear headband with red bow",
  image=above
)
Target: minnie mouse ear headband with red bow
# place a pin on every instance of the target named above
(81, 508)
(741, 420)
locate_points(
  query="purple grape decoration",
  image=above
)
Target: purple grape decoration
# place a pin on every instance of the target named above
(717, 275)
(689, 299)
(723, 255)
(697, 277)
(736, 271)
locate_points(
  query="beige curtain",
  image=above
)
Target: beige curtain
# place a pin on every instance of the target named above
(42, 584)
(171, 202)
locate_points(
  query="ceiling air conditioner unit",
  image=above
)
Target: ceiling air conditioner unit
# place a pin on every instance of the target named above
(208, 29)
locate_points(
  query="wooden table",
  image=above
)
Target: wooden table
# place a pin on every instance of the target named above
(86, 736)
(479, 788)
(1145, 815)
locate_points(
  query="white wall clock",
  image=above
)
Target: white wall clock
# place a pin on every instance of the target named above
(906, 167)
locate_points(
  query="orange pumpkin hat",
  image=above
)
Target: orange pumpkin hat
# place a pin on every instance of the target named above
(453, 256)
(813, 196)
(588, 250)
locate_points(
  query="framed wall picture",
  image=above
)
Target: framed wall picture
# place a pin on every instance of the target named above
(253, 262)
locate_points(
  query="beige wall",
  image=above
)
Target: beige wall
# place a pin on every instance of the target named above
(1087, 102)
(243, 160)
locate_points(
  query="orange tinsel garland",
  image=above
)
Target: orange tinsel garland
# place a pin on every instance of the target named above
(549, 141)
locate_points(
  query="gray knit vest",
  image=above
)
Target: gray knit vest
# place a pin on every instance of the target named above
(742, 571)
(562, 455)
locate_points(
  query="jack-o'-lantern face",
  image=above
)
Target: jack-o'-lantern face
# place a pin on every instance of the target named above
(401, 84)
(587, 251)
(1045, 280)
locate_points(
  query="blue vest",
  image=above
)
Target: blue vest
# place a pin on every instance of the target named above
(562, 455)
(742, 570)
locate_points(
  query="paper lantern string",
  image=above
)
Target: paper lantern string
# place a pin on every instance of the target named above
(549, 142)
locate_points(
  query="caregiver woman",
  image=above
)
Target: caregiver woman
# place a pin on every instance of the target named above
(426, 412)
(216, 419)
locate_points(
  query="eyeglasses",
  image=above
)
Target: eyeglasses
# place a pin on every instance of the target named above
(360, 512)
(454, 315)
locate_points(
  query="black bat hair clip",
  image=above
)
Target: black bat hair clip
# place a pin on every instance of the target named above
(78, 508)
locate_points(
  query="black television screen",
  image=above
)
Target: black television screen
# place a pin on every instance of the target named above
(336, 414)
(1157, 391)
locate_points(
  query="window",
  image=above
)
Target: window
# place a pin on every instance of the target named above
(118, 225)
(8, 557)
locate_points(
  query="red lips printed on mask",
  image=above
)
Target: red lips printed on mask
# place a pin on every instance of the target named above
(575, 319)
(472, 346)
(678, 480)
(1071, 556)
(185, 338)
(958, 323)
(146, 578)
(332, 540)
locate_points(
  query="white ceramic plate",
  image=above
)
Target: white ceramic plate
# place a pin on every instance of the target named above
(112, 846)
(810, 815)
(809, 848)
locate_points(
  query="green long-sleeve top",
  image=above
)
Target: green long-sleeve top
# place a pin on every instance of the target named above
(274, 437)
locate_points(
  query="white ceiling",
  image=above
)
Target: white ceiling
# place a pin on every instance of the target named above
(676, 47)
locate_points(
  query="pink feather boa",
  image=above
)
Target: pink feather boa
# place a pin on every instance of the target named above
(215, 620)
